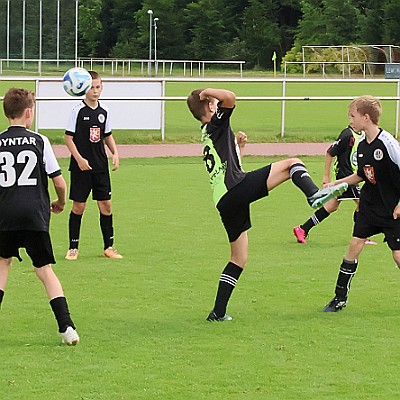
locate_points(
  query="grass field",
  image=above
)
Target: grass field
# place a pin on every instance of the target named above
(306, 121)
(142, 319)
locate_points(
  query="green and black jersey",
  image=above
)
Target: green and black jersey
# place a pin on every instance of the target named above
(221, 153)
(345, 151)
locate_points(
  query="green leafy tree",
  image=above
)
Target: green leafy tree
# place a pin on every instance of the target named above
(371, 22)
(391, 34)
(207, 30)
(328, 22)
(261, 33)
(89, 26)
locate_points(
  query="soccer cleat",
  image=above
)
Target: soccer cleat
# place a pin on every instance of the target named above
(368, 241)
(318, 199)
(335, 305)
(110, 252)
(300, 234)
(70, 337)
(213, 317)
(72, 254)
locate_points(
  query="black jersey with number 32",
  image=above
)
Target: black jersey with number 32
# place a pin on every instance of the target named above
(379, 166)
(26, 162)
(89, 127)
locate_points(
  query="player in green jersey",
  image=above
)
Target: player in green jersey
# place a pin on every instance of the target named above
(233, 189)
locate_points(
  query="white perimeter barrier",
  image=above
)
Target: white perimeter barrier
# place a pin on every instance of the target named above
(139, 103)
(54, 105)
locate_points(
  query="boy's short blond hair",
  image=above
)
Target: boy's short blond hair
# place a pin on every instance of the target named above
(368, 105)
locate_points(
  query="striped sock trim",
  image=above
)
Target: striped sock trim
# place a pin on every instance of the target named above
(314, 219)
(228, 279)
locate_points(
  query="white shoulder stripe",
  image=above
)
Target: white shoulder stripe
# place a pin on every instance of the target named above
(392, 147)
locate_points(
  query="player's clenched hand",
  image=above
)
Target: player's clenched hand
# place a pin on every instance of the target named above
(241, 139)
(56, 207)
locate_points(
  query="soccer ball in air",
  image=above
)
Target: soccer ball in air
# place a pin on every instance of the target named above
(77, 81)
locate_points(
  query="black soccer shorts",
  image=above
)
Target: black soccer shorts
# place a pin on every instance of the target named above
(366, 226)
(37, 245)
(352, 193)
(84, 182)
(234, 206)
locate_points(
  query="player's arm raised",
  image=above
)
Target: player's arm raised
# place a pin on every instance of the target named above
(226, 97)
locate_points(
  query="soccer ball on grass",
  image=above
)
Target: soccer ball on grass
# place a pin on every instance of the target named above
(77, 81)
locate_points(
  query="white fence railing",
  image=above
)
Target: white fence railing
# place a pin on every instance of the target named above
(283, 98)
(121, 67)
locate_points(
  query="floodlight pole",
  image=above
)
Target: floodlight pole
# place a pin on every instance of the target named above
(76, 32)
(155, 46)
(40, 35)
(150, 12)
(23, 32)
(58, 33)
(8, 33)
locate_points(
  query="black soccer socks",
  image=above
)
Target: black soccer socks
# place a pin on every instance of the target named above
(227, 283)
(301, 178)
(346, 274)
(60, 309)
(74, 230)
(107, 230)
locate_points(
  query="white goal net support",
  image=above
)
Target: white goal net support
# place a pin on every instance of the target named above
(349, 61)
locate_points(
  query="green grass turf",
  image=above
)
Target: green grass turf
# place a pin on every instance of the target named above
(306, 121)
(142, 319)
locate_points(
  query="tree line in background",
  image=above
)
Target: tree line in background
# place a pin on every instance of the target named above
(198, 30)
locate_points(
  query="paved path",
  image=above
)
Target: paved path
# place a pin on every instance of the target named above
(180, 150)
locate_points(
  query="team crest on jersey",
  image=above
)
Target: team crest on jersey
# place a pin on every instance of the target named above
(354, 159)
(101, 118)
(378, 154)
(94, 134)
(370, 174)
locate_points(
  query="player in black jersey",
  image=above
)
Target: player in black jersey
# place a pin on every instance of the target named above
(344, 151)
(87, 130)
(233, 189)
(378, 160)
(26, 162)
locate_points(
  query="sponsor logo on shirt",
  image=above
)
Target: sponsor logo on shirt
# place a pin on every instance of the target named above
(219, 114)
(101, 118)
(94, 136)
(86, 118)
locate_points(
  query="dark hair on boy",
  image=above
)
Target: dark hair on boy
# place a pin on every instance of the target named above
(196, 106)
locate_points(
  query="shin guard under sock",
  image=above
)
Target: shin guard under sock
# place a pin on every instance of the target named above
(346, 274)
